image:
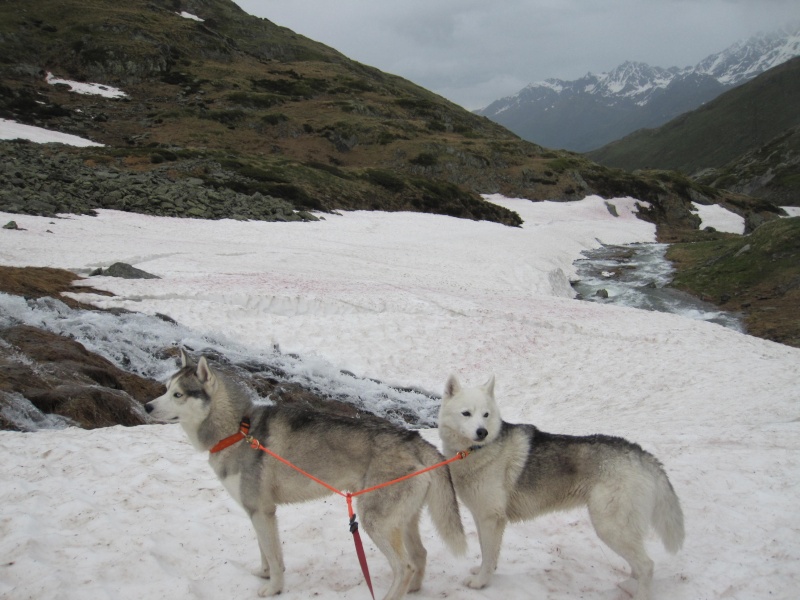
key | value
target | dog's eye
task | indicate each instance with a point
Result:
(485, 415)
(178, 395)
(466, 413)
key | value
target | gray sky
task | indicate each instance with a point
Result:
(476, 51)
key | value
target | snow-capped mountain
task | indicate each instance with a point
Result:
(744, 60)
(594, 110)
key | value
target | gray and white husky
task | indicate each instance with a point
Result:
(517, 472)
(347, 453)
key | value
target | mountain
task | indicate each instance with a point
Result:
(746, 140)
(222, 114)
(587, 113)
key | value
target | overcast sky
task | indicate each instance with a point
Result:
(476, 51)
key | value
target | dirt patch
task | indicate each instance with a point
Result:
(38, 282)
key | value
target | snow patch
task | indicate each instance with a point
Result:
(719, 218)
(92, 89)
(11, 130)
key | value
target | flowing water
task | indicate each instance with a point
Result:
(638, 276)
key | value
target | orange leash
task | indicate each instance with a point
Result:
(243, 434)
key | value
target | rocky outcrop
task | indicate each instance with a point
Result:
(53, 180)
(60, 376)
(124, 271)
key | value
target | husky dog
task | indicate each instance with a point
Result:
(517, 472)
(348, 454)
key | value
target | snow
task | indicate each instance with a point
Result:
(187, 15)
(792, 211)
(91, 89)
(408, 299)
(721, 219)
(11, 130)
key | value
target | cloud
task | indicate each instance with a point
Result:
(474, 51)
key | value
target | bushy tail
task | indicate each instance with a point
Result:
(667, 513)
(443, 508)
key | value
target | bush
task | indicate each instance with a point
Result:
(254, 100)
(386, 180)
(424, 159)
(274, 119)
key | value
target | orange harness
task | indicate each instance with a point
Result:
(244, 434)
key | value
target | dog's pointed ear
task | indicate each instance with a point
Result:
(204, 372)
(186, 360)
(489, 386)
(451, 388)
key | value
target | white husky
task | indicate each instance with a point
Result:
(347, 453)
(517, 472)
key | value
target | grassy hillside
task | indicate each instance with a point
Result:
(246, 107)
(771, 171)
(757, 275)
(733, 124)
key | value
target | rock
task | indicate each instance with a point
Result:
(11, 225)
(60, 376)
(126, 271)
(601, 293)
(46, 181)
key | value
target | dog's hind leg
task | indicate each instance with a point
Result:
(392, 545)
(417, 553)
(622, 526)
(490, 535)
(266, 525)
(385, 522)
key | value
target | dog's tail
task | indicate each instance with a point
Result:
(667, 513)
(443, 506)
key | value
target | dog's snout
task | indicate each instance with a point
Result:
(148, 408)
(481, 433)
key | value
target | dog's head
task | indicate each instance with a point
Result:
(469, 417)
(188, 395)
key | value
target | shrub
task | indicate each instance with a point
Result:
(424, 159)
(255, 100)
(274, 118)
(386, 180)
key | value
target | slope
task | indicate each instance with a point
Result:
(770, 172)
(738, 121)
(229, 115)
(758, 275)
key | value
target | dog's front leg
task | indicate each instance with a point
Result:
(266, 525)
(490, 535)
(263, 571)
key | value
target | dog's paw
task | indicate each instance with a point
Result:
(476, 582)
(629, 586)
(261, 572)
(634, 589)
(273, 588)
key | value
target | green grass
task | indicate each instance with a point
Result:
(726, 268)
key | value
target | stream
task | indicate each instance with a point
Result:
(638, 276)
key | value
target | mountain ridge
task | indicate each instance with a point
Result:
(589, 112)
